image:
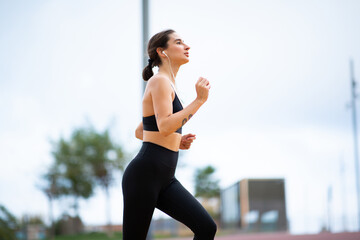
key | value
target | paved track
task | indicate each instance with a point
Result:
(285, 236)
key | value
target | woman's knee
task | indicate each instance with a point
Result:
(207, 231)
(212, 228)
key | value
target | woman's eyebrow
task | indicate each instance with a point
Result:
(178, 40)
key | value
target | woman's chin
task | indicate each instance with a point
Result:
(183, 61)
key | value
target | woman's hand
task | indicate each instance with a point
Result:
(186, 141)
(202, 87)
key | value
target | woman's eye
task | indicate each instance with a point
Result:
(178, 42)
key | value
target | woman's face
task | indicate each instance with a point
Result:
(177, 50)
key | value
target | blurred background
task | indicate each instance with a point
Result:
(280, 108)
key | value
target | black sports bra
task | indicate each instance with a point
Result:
(149, 122)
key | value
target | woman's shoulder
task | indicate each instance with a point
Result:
(159, 81)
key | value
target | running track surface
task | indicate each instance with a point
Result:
(285, 236)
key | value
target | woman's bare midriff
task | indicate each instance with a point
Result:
(171, 141)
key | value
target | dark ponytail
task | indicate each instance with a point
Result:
(158, 40)
(147, 72)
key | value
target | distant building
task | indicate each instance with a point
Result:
(169, 227)
(32, 232)
(69, 225)
(254, 205)
(212, 206)
(103, 228)
(36, 232)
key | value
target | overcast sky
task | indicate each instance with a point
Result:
(278, 105)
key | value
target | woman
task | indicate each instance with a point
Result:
(149, 180)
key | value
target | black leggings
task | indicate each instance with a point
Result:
(149, 182)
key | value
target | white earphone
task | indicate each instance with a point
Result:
(172, 75)
(170, 65)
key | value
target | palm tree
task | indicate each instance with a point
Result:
(105, 158)
(52, 191)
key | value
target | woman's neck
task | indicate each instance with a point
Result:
(164, 68)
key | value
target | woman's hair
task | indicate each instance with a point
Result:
(158, 40)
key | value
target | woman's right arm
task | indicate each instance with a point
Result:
(167, 121)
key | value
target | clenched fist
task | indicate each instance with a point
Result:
(202, 87)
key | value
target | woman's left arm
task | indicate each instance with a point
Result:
(139, 131)
(186, 141)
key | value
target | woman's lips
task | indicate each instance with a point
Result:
(187, 54)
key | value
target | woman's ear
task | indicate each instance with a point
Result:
(160, 52)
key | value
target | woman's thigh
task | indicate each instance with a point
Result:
(178, 203)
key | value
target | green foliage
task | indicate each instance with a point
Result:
(90, 236)
(8, 224)
(205, 185)
(74, 174)
(51, 183)
(88, 159)
(35, 219)
(102, 155)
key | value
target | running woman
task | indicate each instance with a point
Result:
(149, 180)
